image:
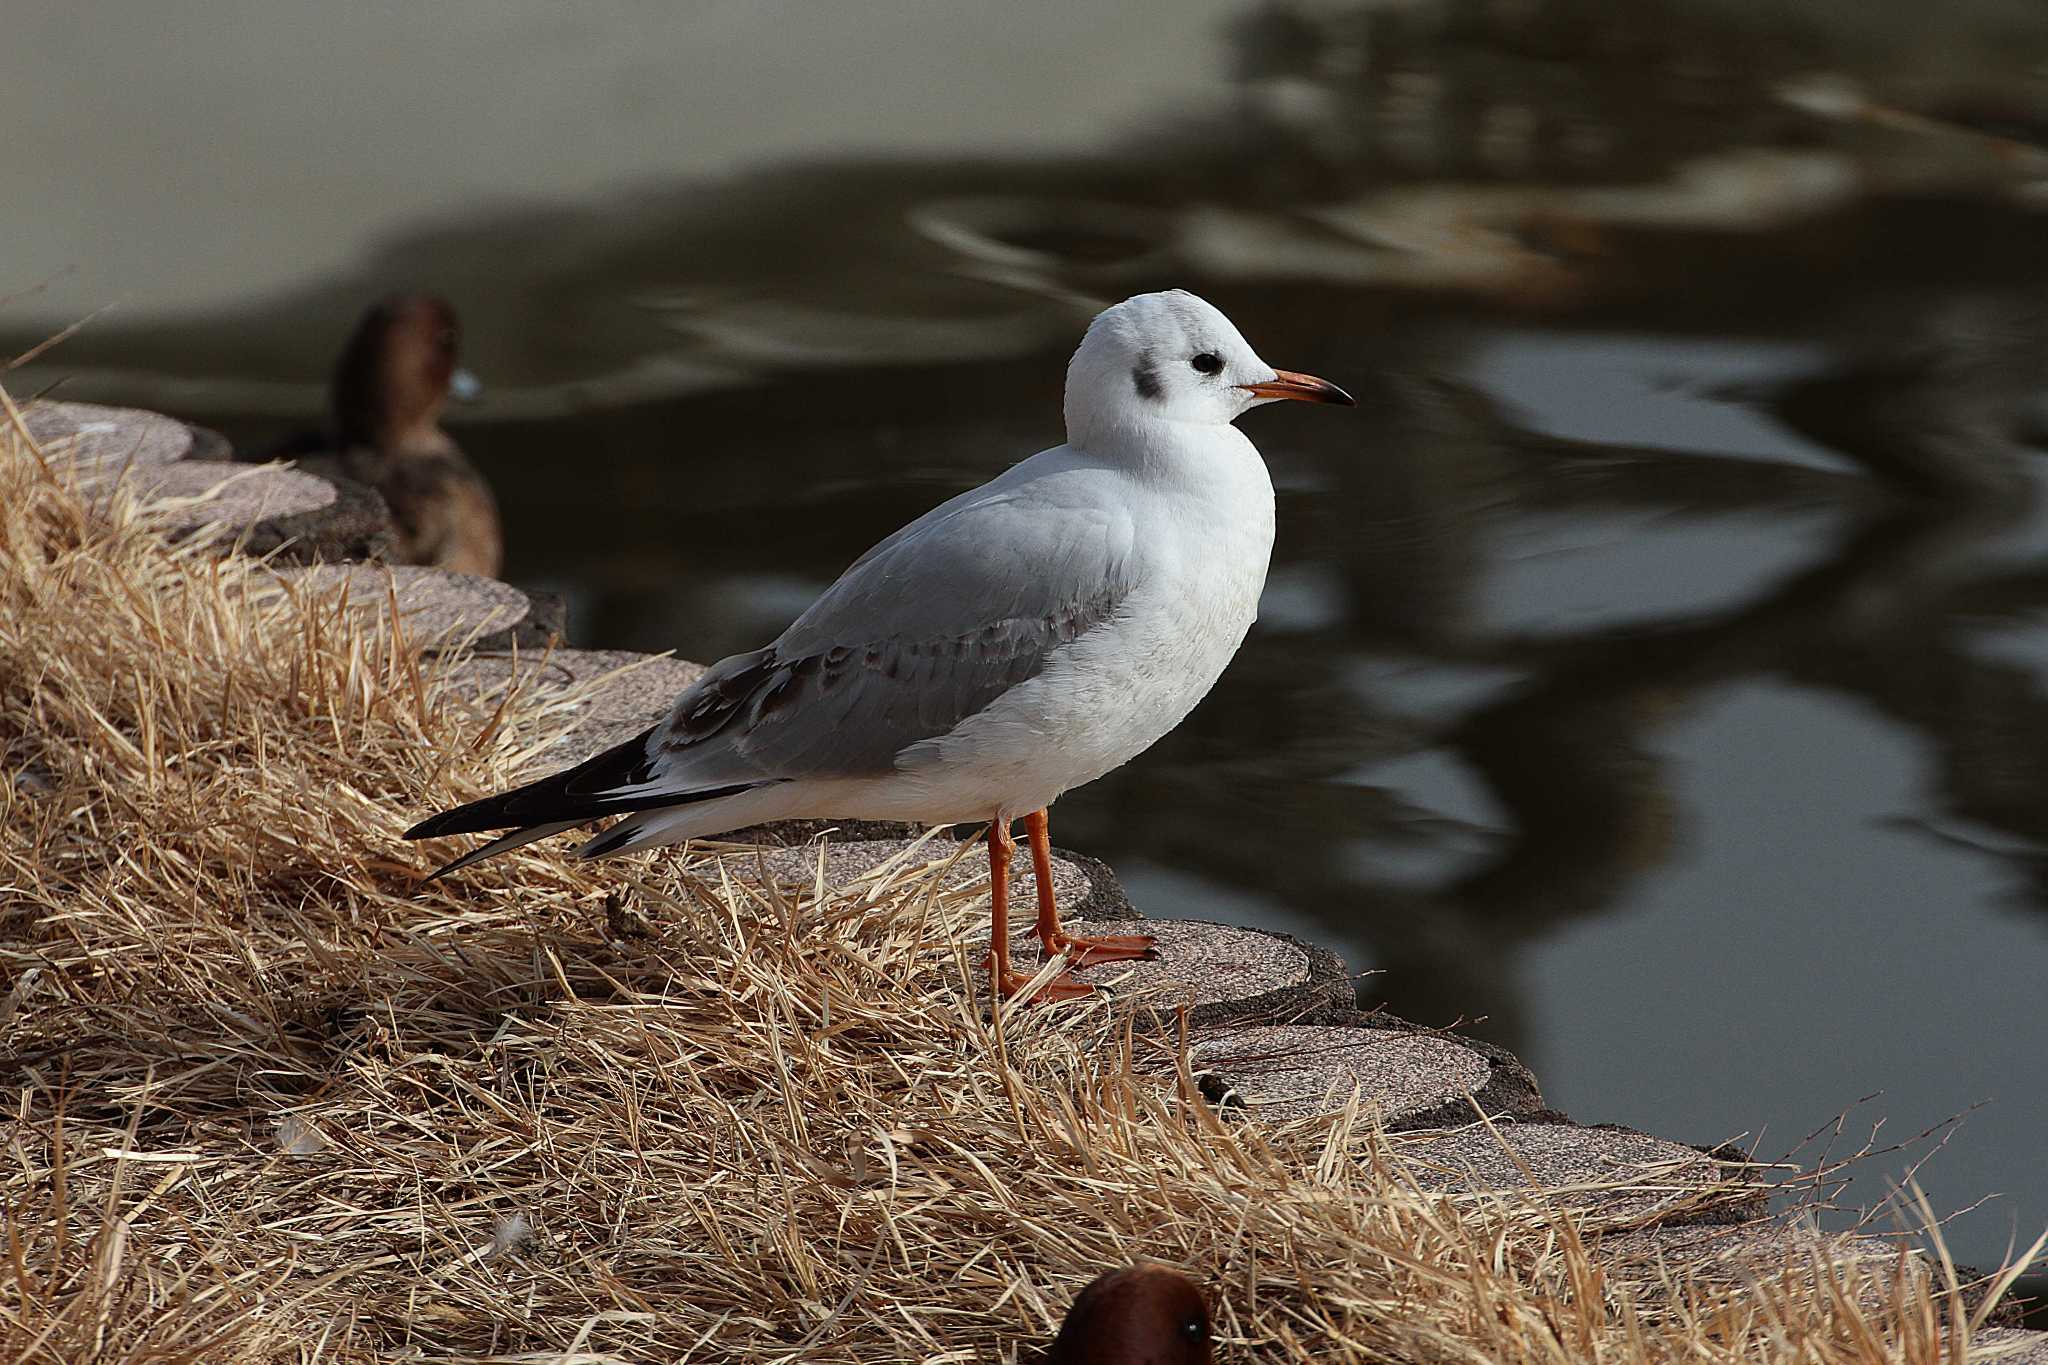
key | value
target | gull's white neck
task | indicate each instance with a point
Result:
(1168, 453)
(1212, 497)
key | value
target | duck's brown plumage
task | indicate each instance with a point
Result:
(390, 385)
(1144, 1315)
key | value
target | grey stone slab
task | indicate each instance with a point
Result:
(1225, 974)
(623, 705)
(1510, 1090)
(101, 441)
(793, 833)
(1201, 963)
(265, 510)
(1735, 1253)
(1664, 1179)
(438, 609)
(1737, 1256)
(1291, 1071)
(1219, 973)
(233, 498)
(355, 526)
(848, 863)
(2009, 1346)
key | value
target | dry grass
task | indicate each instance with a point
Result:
(269, 1101)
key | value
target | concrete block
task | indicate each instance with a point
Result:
(624, 705)
(101, 441)
(1666, 1178)
(438, 609)
(1290, 1071)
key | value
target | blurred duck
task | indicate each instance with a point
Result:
(1145, 1315)
(392, 381)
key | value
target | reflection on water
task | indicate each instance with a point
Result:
(1651, 674)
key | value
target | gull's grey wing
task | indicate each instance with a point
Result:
(924, 630)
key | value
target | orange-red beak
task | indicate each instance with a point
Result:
(1304, 387)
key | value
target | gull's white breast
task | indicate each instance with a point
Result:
(1205, 538)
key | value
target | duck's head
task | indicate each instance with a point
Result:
(1173, 357)
(1145, 1315)
(397, 372)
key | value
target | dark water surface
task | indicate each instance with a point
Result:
(1654, 670)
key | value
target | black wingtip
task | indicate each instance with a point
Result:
(550, 798)
(434, 826)
(474, 818)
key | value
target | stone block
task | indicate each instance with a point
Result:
(792, 833)
(1663, 1179)
(1222, 973)
(235, 499)
(1735, 1253)
(622, 706)
(356, 525)
(438, 609)
(1291, 1071)
(101, 441)
(846, 864)
(2009, 1346)
(1510, 1089)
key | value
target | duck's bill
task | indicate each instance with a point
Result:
(1305, 388)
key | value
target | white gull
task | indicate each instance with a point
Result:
(1011, 644)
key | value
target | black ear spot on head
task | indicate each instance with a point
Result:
(1145, 379)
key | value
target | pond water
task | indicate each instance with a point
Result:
(1654, 670)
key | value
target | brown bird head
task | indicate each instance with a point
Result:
(1146, 1315)
(396, 372)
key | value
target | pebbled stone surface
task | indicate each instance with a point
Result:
(791, 833)
(622, 706)
(1734, 1257)
(845, 863)
(1510, 1091)
(265, 510)
(1735, 1253)
(1563, 1158)
(355, 526)
(1292, 1071)
(235, 498)
(1199, 964)
(2009, 1346)
(438, 609)
(101, 441)
(1223, 974)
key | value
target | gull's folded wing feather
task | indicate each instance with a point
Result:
(924, 630)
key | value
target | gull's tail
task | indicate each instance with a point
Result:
(619, 781)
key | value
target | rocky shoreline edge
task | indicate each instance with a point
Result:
(1273, 1027)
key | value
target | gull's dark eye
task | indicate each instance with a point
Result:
(1194, 1329)
(1208, 362)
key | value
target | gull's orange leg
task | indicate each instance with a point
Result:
(1080, 951)
(1006, 982)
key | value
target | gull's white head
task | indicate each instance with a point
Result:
(1172, 357)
